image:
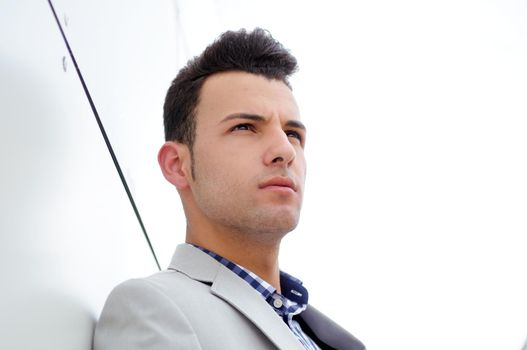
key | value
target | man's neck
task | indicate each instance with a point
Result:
(260, 258)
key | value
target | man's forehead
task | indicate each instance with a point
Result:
(234, 92)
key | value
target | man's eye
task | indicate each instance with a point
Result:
(242, 127)
(294, 134)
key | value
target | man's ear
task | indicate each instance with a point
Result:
(174, 161)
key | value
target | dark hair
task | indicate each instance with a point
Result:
(254, 52)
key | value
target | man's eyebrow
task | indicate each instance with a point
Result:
(247, 116)
(295, 124)
(256, 117)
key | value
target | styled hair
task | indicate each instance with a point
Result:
(255, 52)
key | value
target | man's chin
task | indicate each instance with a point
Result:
(279, 222)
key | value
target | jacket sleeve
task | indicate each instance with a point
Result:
(137, 315)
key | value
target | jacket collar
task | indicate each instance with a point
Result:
(228, 286)
(194, 263)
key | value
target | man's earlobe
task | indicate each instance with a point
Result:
(173, 159)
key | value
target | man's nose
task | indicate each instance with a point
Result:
(280, 151)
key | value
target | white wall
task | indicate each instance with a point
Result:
(414, 226)
(67, 230)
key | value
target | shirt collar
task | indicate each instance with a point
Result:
(291, 287)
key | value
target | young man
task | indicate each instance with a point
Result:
(235, 152)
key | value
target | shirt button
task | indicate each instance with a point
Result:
(277, 303)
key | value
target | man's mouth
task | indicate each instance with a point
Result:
(279, 182)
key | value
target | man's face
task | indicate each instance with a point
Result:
(248, 155)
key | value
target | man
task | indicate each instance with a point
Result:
(235, 152)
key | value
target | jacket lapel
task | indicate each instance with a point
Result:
(235, 291)
(245, 299)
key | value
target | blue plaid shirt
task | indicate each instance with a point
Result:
(291, 303)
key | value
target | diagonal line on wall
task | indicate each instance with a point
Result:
(105, 136)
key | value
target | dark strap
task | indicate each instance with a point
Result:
(307, 330)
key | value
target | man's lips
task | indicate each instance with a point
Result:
(279, 181)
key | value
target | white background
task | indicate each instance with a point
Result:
(414, 221)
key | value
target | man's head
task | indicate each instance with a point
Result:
(235, 143)
(255, 52)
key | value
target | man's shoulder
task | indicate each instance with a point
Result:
(145, 307)
(168, 283)
(176, 311)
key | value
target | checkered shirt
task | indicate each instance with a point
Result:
(292, 303)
